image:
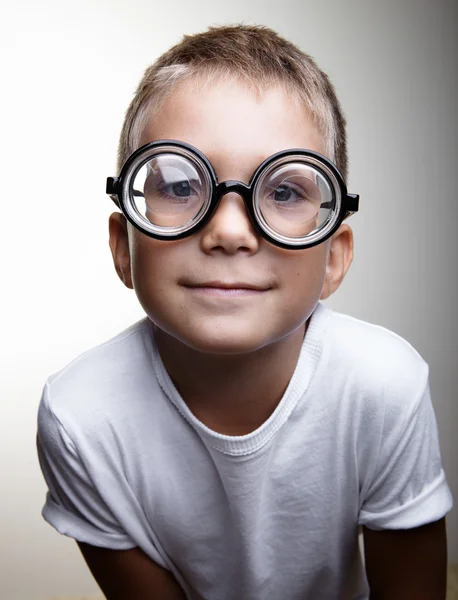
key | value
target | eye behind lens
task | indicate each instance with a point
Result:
(168, 191)
(293, 199)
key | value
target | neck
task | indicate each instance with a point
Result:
(231, 394)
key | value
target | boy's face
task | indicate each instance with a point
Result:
(225, 289)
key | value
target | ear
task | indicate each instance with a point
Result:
(340, 256)
(119, 246)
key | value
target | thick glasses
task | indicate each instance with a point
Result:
(169, 190)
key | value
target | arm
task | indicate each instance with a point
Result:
(407, 564)
(74, 505)
(130, 575)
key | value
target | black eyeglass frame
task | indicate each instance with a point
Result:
(118, 188)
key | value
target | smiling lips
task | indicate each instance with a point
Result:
(227, 289)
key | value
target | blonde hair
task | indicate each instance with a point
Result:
(255, 55)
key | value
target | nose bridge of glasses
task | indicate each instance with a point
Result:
(230, 186)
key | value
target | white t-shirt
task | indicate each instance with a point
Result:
(265, 516)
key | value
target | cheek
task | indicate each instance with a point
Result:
(303, 278)
(304, 269)
(152, 267)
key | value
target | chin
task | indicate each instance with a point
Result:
(233, 339)
(227, 336)
(223, 344)
(220, 338)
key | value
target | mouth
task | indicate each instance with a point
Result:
(227, 288)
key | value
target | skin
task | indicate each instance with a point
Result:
(232, 357)
(215, 343)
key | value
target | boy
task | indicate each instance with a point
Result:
(229, 445)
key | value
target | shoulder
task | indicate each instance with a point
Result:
(370, 374)
(96, 382)
(374, 355)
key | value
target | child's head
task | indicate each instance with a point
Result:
(238, 95)
(255, 56)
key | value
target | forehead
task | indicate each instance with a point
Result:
(234, 125)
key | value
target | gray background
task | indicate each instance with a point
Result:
(68, 73)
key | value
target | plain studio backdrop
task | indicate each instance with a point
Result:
(69, 71)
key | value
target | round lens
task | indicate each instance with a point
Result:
(294, 199)
(170, 191)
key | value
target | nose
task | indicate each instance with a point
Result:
(230, 229)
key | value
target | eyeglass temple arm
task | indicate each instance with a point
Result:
(112, 190)
(351, 204)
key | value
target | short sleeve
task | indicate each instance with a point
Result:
(408, 486)
(73, 505)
